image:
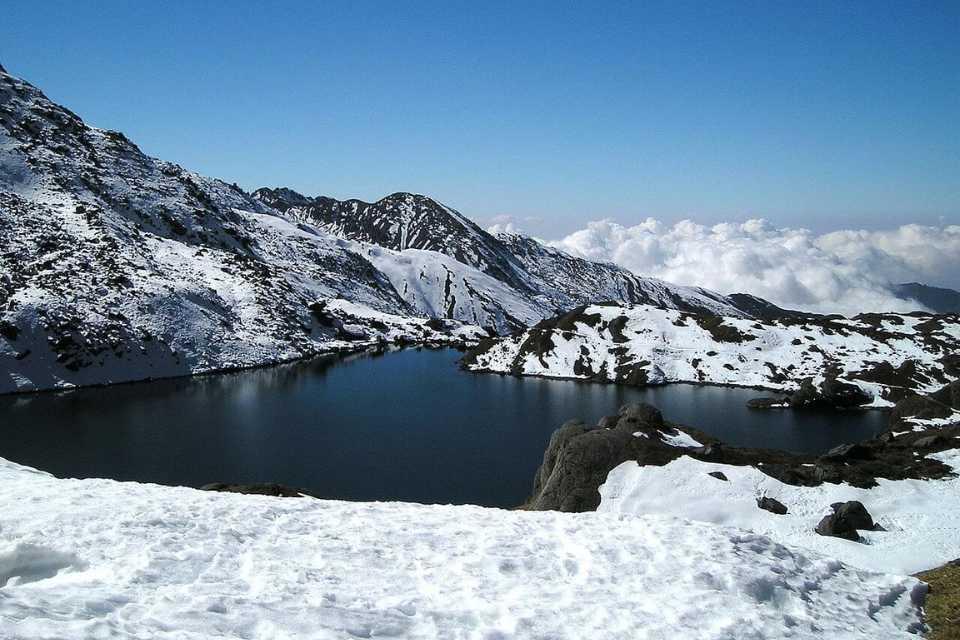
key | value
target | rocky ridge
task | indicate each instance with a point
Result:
(869, 360)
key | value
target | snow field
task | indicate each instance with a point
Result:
(98, 558)
(921, 517)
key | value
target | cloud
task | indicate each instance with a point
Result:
(847, 271)
(506, 223)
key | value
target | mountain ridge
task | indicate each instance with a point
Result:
(117, 266)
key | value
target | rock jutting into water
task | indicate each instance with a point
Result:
(579, 457)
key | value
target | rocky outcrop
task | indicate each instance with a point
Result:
(939, 405)
(846, 521)
(261, 489)
(815, 362)
(579, 457)
(830, 393)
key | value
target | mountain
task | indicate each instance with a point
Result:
(403, 221)
(550, 280)
(565, 281)
(118, 266)
(937, 299)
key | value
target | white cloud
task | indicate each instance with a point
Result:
(840, 272)
(505, 223)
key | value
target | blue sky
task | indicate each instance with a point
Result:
(825, 115)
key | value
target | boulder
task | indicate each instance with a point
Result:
(831, 393)
(719, 475)
(558, 440)
(845, 521)
(608, 422)
(772, 505)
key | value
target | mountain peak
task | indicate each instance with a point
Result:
(281, 198)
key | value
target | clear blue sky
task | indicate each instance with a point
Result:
(816, 114)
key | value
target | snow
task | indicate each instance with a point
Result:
(679, 439)
(773, 354)
(99, 558)
(921, 517)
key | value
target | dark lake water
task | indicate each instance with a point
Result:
(405, 425)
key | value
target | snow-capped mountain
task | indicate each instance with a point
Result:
(403, 221)
(118, 266)
(565, 281)
(872, 359)
(550, 280)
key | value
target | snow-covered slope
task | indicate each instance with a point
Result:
(116, 266)
(128, 560)
(920, 518)
(436, 285)
(883, 354)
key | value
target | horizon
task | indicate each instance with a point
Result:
(831, 117)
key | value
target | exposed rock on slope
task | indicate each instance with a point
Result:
(873, 359)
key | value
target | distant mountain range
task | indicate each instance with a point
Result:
(936, 299)
(117, 266)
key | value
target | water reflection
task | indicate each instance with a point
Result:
(396, 426)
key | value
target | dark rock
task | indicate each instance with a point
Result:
(772, 505)
(576, 463)
(712, 451)
(920, 407)
(719, 475)
(9, 330)
(848, 452)
(437, 324)
(558, 440)
(608, 422)
(263, 489)
(847, 518)
(928, 441)
(768, 403)
(949, 395)
(639, 414)
(831, 393)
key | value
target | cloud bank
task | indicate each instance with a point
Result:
(847, 271)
